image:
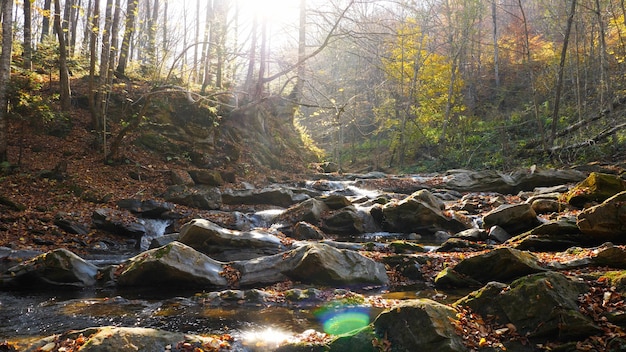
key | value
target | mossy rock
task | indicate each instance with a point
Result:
(540, 306)
(597, 188)
(406, 247)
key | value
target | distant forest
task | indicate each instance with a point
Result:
(408, 85)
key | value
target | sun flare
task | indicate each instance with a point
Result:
(281, 11)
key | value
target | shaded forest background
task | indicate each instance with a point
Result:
(405, 86)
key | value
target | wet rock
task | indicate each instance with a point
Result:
(70, 226)
(406, 247)
(420, 212)
(521, 180)
(498, 234)
(117, 222)
(200, 197)
(57, 268)
(124, 339)
(514, 219)
(273, 196)
(502, 264)
(228, 245)
(305, 231)
(336, 201)
(324, 265)
(345, 221)
(310, 211)
(149, 208)
(460, 245)
(161, 241)
(552, 236)
(543, 305)
(420, 325)
(547, 206)
(609, 255)
(206, 177)
(174, 265)
(606, 221)
(312, 264)
(596, 188)
(472, 235)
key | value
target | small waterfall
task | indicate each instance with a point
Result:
(154, 229)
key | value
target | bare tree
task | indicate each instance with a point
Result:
(64, 76)
(5, 73)
(559, 84)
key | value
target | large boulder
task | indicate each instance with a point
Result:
(206, 177)
(281, 197)
(595, 189)
(228, 245)
(173, 265)
(309, 211)
(118, 222)
(543, 305)
(514, 219)
(123, 339)
(200, 197)
(503, 264)
(345, 221)
(420, 325)
(606, 221)
(555, 235)
(149, 208)
(315, 263)
(421, 212)
(57, 268)
(508, 183)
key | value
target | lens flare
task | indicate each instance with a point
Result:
(344, 320)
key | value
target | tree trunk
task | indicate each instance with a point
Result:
(64, 76)
(28, 45)
(129, 30)
(206, 48)
(94, 20)
(297, 91)
(45, 24)
(5, 74)
(75, 14)
(559, 83)
(87, 30)
(115, 28)
(252, 55)
(260, 84)
(496, 54)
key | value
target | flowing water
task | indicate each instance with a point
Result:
(31, 314)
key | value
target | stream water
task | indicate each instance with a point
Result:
(26, 315)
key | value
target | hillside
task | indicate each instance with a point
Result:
(57, 169)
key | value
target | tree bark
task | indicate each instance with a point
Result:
(96, 123)
(5, 74)
(297, 91)
(129, 30)
(559, 83)
(45, 24)
(64, 76)
(28, 45)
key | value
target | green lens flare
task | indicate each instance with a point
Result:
(344, 322)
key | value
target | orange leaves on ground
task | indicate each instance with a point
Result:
(231, 275)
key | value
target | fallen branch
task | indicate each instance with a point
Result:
(589, 142)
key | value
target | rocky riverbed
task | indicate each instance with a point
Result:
(523, 261)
